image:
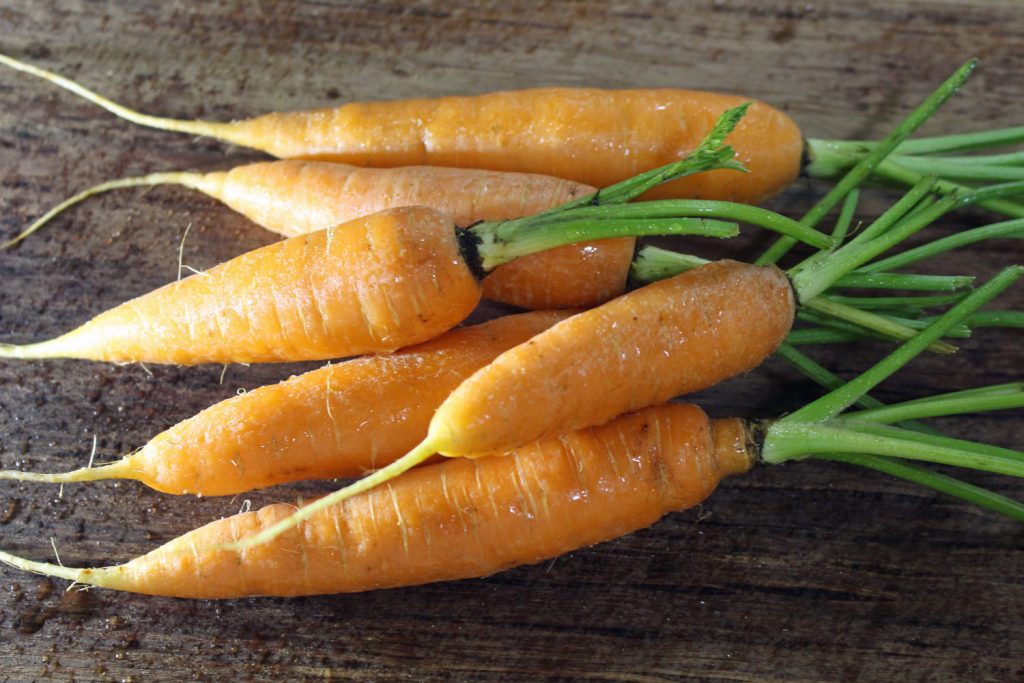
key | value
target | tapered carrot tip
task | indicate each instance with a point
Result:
(115, 470)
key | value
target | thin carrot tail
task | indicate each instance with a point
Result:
(214, 129)
(195, 181)
(92, 577)
(417, 455)
(114, 470)
(50, 348)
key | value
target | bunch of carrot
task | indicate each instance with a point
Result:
(562, 415)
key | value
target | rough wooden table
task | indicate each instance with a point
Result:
(808, 572)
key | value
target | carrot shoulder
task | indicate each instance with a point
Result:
(456, 519)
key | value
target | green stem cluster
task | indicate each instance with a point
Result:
(867, 439)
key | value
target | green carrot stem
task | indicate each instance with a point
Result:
(886, 302)
(956, 171)
(1008, 159)
(811, 282)
(940, 144)
(1013, 228)
(958, 331)
(939, 482)
(788, 440)
(840, 230)
(871, 321)
(499, 246)
(866, 165)
(893, 172)
(1001, 397)
(908, 281)
(840, 399)
(831, 381)
(811, 336)
(692, 208)
(653, 263)
(845, 220)
(997, 319)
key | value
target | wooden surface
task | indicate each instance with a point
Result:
(808, 572)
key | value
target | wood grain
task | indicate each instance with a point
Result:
(807, 572)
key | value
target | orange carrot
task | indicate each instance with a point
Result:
(297, 197)
(452, 520)
(339, 421)
(679, 335)
(465, 518)
(379, 283)
(590, 135)
(593, 136)
(375, 284)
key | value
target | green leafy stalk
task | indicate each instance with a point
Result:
(939, 482)
(798, 440)
(867, 163)
(1013, 228)
(941, 144)
(871, 321)
(998, 397)
(829, 380)
(952, 170)
(893, 172)
(515, 242)
(840, 399)
(997, 319)
(908, 281)
(887, 302)
(809, 282)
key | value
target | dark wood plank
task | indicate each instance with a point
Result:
(808, 572)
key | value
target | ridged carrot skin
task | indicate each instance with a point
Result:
(458, 519)
(375, 284)
(598, 137)
(296, 197)
(339, 421)
(675, 336)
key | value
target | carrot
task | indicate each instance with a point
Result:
(296, 197)
(467, 518)
(454, 519)
(672, 337)
(378, 283)
(593, 136)
(339, 421)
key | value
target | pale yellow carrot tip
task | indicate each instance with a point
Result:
(178, 178)
(114, 470)
(209, 128)
(47, 568)
(417, 455)
(43, 349)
